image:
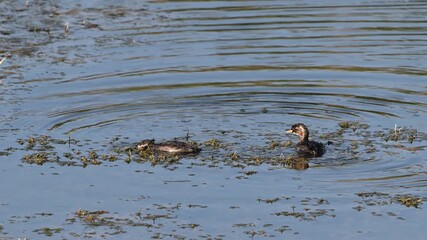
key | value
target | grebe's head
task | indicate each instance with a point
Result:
(299, 129)
(147, 143)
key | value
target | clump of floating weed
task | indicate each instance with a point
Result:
(256, 160)
(163, 159)
(101, 218)
(398, 134)
(109, 157)
(409, 200)
(93, 154)
(337, 134)
(249, 173)
(234, 156)
(84, 161)
(213, 143)
(92, 218)
(4, 153)
(269, 201)
(353, 125)
(68, 155)
(286, 160)
(43, 142)
(48, 231)
(277, 144)
(91, 158)
(39, 158)
(372, 194)
(43, 150)
(145, 154)
(274, 144)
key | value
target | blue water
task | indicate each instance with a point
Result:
(238, 71)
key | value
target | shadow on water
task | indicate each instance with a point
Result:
(81, 82)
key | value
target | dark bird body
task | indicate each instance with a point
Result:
(175, 147)
(306, 147)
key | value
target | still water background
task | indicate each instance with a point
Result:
(238, 71)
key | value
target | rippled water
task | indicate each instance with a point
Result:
(237, 71)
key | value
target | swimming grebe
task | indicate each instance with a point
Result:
(175, 147)
(306, 147)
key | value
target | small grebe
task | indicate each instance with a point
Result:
(306, 147)
(175, 147)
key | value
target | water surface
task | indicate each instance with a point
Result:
(108, 75)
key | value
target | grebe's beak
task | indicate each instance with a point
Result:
(289, 131)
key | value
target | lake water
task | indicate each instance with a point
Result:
(96, 76)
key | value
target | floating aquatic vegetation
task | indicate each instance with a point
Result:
(234, 156)
(91, 217)
(270, 201)
(400, 134)
(307, 215)
(4, 153)
(249, 173)
(213, 143)
(279, 144)
(409, 200)
(68, 152)
(48, 232)
(381, 199)
(353, 125)
(40, 158)
(42, 142)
